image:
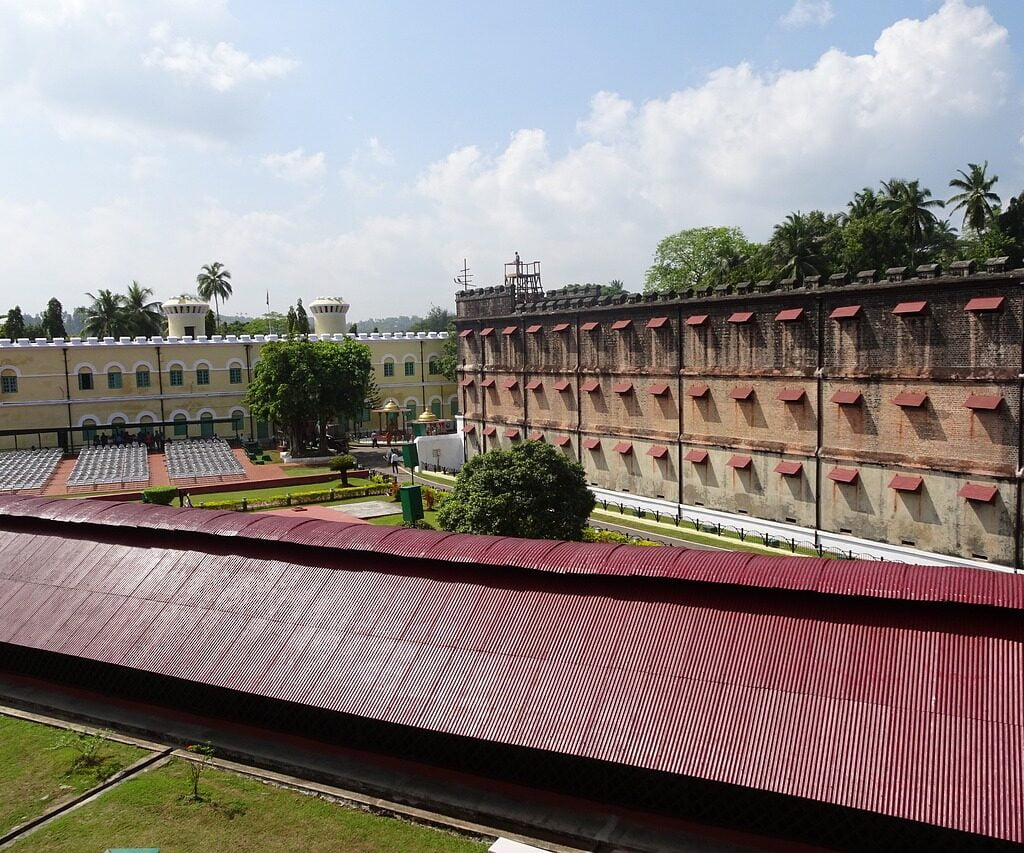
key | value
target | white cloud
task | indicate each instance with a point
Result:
(221, 67)
(806, 12)
(296, 166)
(144, 166)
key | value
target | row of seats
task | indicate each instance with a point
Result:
(111, 464)
(28, 469)
(207, 457)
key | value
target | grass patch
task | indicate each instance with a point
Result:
(277, 491)
(429, 516)
(37, 775)
(236, 813)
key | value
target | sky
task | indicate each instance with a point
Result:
(363, 150)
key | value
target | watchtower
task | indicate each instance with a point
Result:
(523, 278)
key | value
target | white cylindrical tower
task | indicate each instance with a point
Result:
(186, 316)
(329, 315)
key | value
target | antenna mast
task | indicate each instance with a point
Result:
(465, 278)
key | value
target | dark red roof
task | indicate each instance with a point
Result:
(843, 475)
(787, 315)
(698, 389)
(560, 327)
(658, 451)
(532, 330)
(656, 389)
(509, 384)
(656, 322)
(465, 333)
(832, 681)
(533, 384)
(563, 440)
(791, 395)
(696, 456)
(623, 388)
(562, 385)
(906, 482)
(845, 312)
(591, 443)
(985, 493)
(466, 382)
(623, 447)
(490, 430)
(739, 460)
(469, 429)
(985, 303)
(696, 319)
(487, 383)
(536, 435)
(984, 402)
(846, 398)
(509, 330)
(590, 326)
(789, 469)
(910, 399)
(619, 325)
(589, 385)
(512, 433)
(910, 307)
(489, 330)
(741, 316)
(741, 392)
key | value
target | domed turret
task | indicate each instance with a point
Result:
(186, 316)
(329, 315)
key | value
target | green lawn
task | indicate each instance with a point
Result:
(277, 491)
(36, 775)
(394, 520)
(237, 813)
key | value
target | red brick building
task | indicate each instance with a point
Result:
(887, 410)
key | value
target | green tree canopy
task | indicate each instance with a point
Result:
(299, 384)
(910, 206)
(695, 256)
(106, 316)
(214, 282)
(437, 320)
(448, 362)
(142, 314)
(301, 319)
(531, 490)
(53, 320)
(14, 328)
(975, 196)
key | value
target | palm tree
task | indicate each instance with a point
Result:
(908, 205)
(106, 316)
(977, 198)
(863, 204)
(141, 313)
(214, 282)
(796, 247)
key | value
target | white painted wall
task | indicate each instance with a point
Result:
(451, 454)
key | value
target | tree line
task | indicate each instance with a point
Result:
(894, 224)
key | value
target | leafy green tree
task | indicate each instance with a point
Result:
(613, 288)
(975, 196)
(291, 323)
(106, 316)
(797, 245)
(53, 320)
(532, 491)
(14, 328)
(142, 314)
(694, 256)
(214, 282)
(437, 320)
(910, 207)
(343, 464)
(209, 324)
(345, 382)
(448, 361)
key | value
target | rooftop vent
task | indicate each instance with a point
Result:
(813, 282)
(743, 286)
(867, 276)
(929, 271)
(839, 279)
(896, 273)
(997, 264)
(787, 284)
(764, 286)
(961, 269)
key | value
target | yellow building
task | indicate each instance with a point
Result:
(63, 392)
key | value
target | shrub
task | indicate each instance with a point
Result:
(343, 464)
(592, 534)
(162, 495)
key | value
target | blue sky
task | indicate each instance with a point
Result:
(364, 150)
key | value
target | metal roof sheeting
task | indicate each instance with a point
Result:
(839, 686)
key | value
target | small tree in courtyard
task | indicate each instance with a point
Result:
(532, 491)
(343, 464)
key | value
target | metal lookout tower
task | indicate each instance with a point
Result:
(524, 279)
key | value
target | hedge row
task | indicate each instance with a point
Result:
(298, 498)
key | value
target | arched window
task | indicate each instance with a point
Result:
(202, 374)
(434, 366)
(435, 407)
(238, 420)
(146, 425)
(177, 374)
(141, 377)
(389, 367)
(410, 367)
(117, 425)
(88, 429)
(180, 426)
(114, 378)
(8, 382)
(85, 379)
(206, 425)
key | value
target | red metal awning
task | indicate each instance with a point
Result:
(623, 388)
(741, 392)
(489, 330)
(656, 389)
(843, 475)
(789, 314)
(623, 447)
(741, 317)
(487, 383)
(591, 443)
(536, 435)
(512, 433)
(465, 383)
(910, 399)
(910, 308)
(698, 390)
(791, 395)
(560, 327)
(532, 330)
(696, 319)
(978, 492)
(490, 430)
(845, 312)
(509, 330)
(696, 456)
(509, 384)
(739, 460)
(789, 469)
(906, 482)
(562, 385)
(590, 385)
(533, 384)
(590, 326)
(469, 429)
(984, 402)
(985, 303)
(657, 451)
(563, 440)
(656, 322)
(619, 325)
(465, 333)
(846, 398)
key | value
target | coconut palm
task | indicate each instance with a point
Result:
(863, 204)
(106, 316)
(976, 198)
(910, 208)
(141, 313)
(214, 282)
(796, 247)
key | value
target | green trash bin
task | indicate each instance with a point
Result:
(412, 503)
(410, 459)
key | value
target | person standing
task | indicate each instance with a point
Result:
(395, 458)
(373, 439)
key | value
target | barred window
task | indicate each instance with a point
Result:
(85, 381)
(202, 376)
(114, 379)
(141, 378)
(389, 368)
(410, 368)
(177, 376)
(9, 383)
(235, 375)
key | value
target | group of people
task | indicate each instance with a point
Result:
(152, 440)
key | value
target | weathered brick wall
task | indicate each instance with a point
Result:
(623, 403)
(547, 406)
(503, 398)
(550, 350)
(484, 302)
(628, 465)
